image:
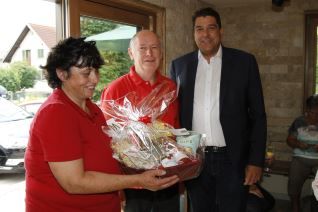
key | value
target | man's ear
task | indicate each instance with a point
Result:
(130, 53)
(61, 74)
(221, 32)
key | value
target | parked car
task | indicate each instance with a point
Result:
(14, 134)
(3, 91)
(31, 106)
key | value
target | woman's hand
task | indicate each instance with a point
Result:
(75, 180)
(293, 142)
(302, 145)
(154, 180)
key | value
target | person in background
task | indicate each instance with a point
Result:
(220, 94)
(303, 138)
(144, 76)
(68, 161)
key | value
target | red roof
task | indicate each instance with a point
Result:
(46, 33)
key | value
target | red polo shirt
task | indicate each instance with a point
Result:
(133, 82)
(61, 131)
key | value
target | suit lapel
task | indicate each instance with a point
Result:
(225, 74)
(188, 95)
(191, 74)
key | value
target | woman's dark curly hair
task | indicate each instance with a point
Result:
(71, 52)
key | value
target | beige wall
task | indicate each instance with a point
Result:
(276, 38)
(179, 36)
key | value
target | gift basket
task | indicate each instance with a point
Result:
(140, 141)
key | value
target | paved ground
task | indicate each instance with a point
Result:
(12, 188)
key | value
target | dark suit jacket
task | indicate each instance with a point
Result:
(242, 111)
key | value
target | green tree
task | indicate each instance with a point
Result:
(27, 74)
(17, 76)
(9, 80)
(92, 26)
(116, 64)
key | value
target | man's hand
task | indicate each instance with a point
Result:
(252, 174)
(253, 189)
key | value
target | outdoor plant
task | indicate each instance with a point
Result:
(17, 76)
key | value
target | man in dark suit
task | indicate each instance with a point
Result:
(220, 94)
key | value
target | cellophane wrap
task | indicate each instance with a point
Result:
(140, 141)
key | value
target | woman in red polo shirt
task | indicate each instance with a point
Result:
(69, 164)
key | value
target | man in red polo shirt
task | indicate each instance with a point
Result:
(144, 76)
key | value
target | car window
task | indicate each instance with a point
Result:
(31, 107)
(11, 112)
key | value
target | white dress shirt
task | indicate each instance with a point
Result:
(206, 102)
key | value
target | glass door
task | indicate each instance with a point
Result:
(112, 24)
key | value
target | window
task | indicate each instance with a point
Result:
(111, 24)
(26, 56)
(136, 13)
(40, 53)
(311, 63)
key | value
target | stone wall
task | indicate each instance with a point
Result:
(179, 34)
(275, 37)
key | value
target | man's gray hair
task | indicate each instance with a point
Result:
(133, 38)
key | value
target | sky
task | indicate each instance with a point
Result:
(15, 14)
